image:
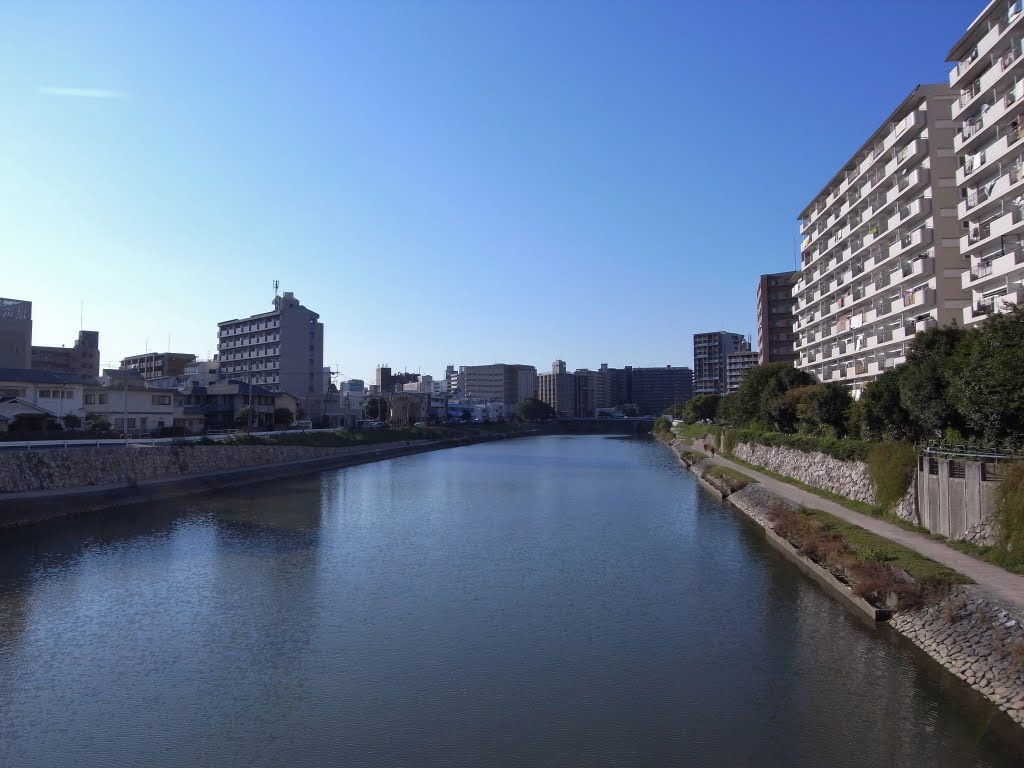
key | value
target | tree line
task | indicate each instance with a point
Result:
(959, 386)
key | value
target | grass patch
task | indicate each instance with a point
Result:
(882, 572)
(868, 546)
(718, 470)
(993, 555)
(694, 431)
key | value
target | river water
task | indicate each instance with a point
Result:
(554, 601)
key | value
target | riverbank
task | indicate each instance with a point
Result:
(44, 485)
(966, 629)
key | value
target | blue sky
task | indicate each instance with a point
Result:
(444, 182)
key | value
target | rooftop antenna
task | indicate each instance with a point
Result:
(81, 315)
(276, 284)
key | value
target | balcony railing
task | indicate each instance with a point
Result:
(979, 196)
(1009, 57)
(979, 232)
(963, 64)
(969, 93)
(972, 126)
(984, 306)
(973, 162)
(981, 269)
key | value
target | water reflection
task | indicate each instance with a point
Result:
(552, 601)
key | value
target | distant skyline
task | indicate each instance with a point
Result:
(445, 183)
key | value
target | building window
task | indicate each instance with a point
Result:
(49, 394)
(89, 400)
(933, 466)
(161, 399)
(990, 472)
(103, 399)
(957, 469)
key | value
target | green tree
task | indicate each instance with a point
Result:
(883, 416)
(96, 422)
(283, 416)
(925, 378)
(701, 407)
(71, 421)
(532, 409)
(987, 387)
(627, 409)
(466, 414)
(376, 408)
(242, 417)
(760, 386)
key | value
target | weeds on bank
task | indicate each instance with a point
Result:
(732, 478)
(883, 573)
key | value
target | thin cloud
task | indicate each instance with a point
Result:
(84, 93)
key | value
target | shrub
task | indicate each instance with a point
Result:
(891, 466)
(844, 450)
(1009, 511)
(728, 441)
(663, 425)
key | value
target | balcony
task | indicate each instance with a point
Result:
(920, 266)
(920, 236)
(907, 183)
(922, 297)
(978, 58)
(980, 270)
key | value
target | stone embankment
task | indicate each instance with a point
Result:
(845, 478)
(51, 483)
(965, 630)
(58, 469)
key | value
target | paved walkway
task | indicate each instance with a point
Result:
(1006, 586)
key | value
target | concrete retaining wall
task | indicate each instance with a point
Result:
(58, 469)
(845, 478)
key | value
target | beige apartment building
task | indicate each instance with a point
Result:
(988, 78)
(880, 256)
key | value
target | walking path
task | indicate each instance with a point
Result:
(1004, 585)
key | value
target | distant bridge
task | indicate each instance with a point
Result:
(621, 426)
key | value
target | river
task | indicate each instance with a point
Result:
(550, 601)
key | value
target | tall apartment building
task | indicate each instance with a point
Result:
(988, 78)
(736, 365)
(880, 257)
(775, 303)
(497, 383)
(154, 365)
(710, 369)
(282, 350)
(81, 359)
(655, 390)
(558, 389)
(15, 334)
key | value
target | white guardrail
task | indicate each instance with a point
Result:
(43, 445)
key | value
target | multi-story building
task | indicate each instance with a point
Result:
(775, 304)
(282, 350)
(126, 402)
(558, 389)
(654, 390)
(880, 257)
(988, 82)
(155, 365)
(499, 383)
(737, 364)
(82, 359)
(710, 369)
(15, 334)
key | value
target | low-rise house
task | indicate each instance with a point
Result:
(32, 398)
(131, 407)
